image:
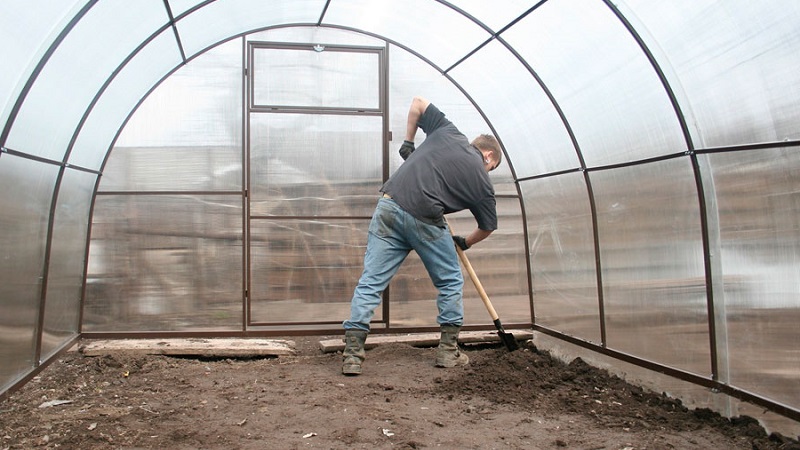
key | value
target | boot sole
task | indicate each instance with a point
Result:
(456, 363)
(351, 371)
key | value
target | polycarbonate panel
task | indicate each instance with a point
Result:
(165, 263)
(200, 104)
(499, 262)
(412, 297)
(219, 20)
(490, 14)
(314, 165)
(562, 255)
(651, 253)
(309, 77)
(609, 92)
(87, 57)
(121, 97)
(305, 270)
(27, 32)
(179, 7)
(760, 238)
(173, 169)
(67, 260)
(533, 134)
(26, 189)
(412, 23)
(187, 135)
(737, 64)
(411, 76)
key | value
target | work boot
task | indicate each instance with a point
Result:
(354, 353)
(448, 353)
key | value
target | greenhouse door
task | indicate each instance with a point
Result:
(317, 156)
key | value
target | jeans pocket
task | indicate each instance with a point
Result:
(427, 232)
(382, 223)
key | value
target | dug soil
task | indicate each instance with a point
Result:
(501, 400)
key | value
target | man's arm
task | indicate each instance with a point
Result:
(477, 236)
(473, 238)
(417, 109)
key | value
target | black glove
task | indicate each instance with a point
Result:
(461, 242)
(406, 149)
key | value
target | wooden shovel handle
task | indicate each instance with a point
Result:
(474, 277)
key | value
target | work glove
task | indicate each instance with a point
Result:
(461, 242)
(406, 149)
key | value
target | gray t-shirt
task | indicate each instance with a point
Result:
(445, 174)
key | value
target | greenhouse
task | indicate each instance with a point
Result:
(187, 168)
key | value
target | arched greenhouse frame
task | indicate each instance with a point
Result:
(209, 168)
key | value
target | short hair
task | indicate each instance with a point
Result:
(489, 142)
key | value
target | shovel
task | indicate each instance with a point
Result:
(508, 339)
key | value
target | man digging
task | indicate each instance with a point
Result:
(446, 174)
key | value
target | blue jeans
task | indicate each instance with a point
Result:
(393, 233)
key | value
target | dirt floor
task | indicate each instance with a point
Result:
(502, 400)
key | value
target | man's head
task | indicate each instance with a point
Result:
(490, 148)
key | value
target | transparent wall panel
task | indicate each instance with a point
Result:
(499, 262)
(315, 165)
(173, 168)
(219, 20)
(500, 265)
(757, 195)
(31, 32)
(187, 135)
(165, 263)
(305, 270)
(73, 75)
(122, 96)
(410, 76)
(602, 79)
(412, 297)
(651, 253)
(409, 23)
(179, 7)
(561, 250)
(533, 134)
(490, 14)
(303, 76)
(67, 253)
(26, 190)
(736, 62)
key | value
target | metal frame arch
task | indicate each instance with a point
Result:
(579, 153)
(703, 204)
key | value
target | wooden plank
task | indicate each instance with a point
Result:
(213, 347)
(425, 339)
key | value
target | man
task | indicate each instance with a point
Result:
(445, 174)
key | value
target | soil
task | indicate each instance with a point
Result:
(502, 400)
